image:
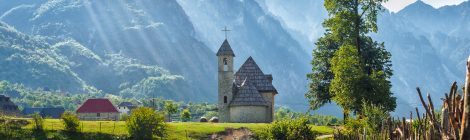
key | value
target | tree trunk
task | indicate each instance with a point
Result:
(464, 129)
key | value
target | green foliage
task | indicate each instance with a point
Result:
(186, 115)
(284, 113)
(370, 122)
(348, 66)
(346, 86)
(124, 117)
(38, 122)
(353, 126)
(27, 97)
(38, 129)
(69, 67)
(297, 129)
(374, 116)
(211, 114)
(71, 122)
(11, 129)
(145, 123)
(170, 108)
(203, 109)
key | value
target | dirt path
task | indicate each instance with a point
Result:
(324, 137)
(234, 134)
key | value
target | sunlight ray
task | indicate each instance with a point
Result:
(92, 14)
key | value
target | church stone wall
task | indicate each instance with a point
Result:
(269, 97)
(248, 114)
(225, 82)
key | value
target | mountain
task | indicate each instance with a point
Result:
(121, 43)
(68, 66)
(304, 25)
(140, 30)
(30, 61)
(429, 46)
(254, 32)
(141, 49)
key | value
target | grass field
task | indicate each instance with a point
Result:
(177, 130)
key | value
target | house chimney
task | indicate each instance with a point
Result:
(269, 77)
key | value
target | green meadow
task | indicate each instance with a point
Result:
(176, 130)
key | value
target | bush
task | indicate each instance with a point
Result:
(185, 115)
(370, 121)
(38, 122)
(210, 114)
(38, 130)
(374, 116)
(71, 122)
(297, 129)
(145, 123)
(124, 117)
(170, 108)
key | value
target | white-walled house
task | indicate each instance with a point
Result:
(125, 107)
(98, 109)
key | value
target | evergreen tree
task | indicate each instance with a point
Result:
(348, 66)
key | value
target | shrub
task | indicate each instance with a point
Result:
(38, 130)
(297, 129)
(145, 123)
(70, 121)
(369, 121)
(185, 115)
(210, 114)
(124, 117)
(38, 122)
(170, 108)
(374, 116)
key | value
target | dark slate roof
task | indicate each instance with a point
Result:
(225, 49)
(29, 111)
(126, 104)
(251, 71)
(248, 95)
(53, 112)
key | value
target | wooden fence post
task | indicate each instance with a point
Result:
(100, 127)
(464, 129)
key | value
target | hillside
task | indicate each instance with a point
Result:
(144, 37)
(183, 42)
(68, 66)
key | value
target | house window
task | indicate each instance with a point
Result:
(225, 99)
(98, 115)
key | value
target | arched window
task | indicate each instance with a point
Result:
(225, 99)
(225, 64)
(225, 61)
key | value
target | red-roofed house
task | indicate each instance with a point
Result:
(97, 109)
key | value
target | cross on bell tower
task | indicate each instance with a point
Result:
(226, 30)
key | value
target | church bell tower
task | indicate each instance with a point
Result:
(225, 57)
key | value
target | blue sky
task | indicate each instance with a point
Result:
(397, 5)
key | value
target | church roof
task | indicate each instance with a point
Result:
(251, 71)
(248, 95)
(225, 49)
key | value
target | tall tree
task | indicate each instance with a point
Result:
(361, 70)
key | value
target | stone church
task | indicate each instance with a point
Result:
(246, 96)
